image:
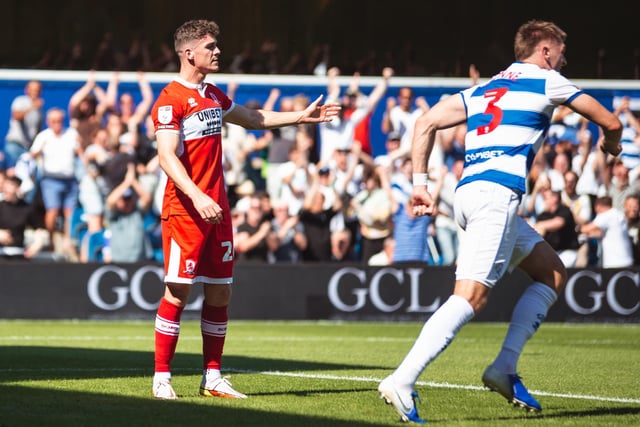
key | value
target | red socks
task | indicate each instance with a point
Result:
(213, 325)
(167, 332)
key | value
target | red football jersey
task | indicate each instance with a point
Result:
(195, 112)
(195, 251)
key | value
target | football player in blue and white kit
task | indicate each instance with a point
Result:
(507, 119)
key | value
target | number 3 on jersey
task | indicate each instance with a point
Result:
(494, 111)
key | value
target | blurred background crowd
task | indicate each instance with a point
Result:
(82, 183)
(419, 38)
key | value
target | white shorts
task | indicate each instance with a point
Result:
(495, 239)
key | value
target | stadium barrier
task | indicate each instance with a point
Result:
(300, 292)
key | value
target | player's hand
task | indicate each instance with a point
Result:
(316, 113)
(422, 201)
(612, 149)
(208, 209)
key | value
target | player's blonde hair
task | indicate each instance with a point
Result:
(194, 29)
(531, 33)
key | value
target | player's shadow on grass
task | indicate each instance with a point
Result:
(37, 363)
(520, 414)
(627, 410)
(22, 405)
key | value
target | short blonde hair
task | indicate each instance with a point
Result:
(533, 32)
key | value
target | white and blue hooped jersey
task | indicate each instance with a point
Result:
(507, 120)
(630, 154)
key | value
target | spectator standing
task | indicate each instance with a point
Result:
(393, 156)
(279, 147)
(632, 215)
(401, 115)
(87, 107)
(350, 101)
(373, 208)
(126, 207)
(410, 232)
(620, 185)
(251, 238)
(610, 227)
(447, 230)
(556, 224)
(316, 216)
(561, 164)
(236, 146)
(57, 147)
(340, 132)
(630, 134)
(296, 176)
(16, 216)
(133, 115)
(587, 163)
(133, 119)
(580, 207)
(566, 124)
(197, 229)
(385, 256)
(92, 188)
(27, 120)
(286, 240)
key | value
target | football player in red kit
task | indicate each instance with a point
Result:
(196, 218)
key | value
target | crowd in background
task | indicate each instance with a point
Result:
(84, 184)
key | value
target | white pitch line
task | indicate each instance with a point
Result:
(435, 385)
(337, 378)
(45, 338)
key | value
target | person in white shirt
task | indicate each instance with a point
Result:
(401, 115)
(610, 227)
(340, 131)
(57, 147)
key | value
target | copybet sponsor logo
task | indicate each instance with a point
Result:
(482, 155)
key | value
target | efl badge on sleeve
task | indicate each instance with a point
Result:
(165, 114)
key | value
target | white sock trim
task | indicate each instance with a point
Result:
(161, 376)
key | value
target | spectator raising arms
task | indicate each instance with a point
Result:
(27, 119)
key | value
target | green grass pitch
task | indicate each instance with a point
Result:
(99, 373)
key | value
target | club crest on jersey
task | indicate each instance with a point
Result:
(165, 114)
(190, 267)
(192, 102)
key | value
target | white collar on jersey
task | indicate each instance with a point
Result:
(183, 82)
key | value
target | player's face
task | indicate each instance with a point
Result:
(206, 53)
(556, 56)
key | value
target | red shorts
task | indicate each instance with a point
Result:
(197, 252)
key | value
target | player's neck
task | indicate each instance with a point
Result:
(192, 75)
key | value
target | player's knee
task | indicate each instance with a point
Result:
(560, 279)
